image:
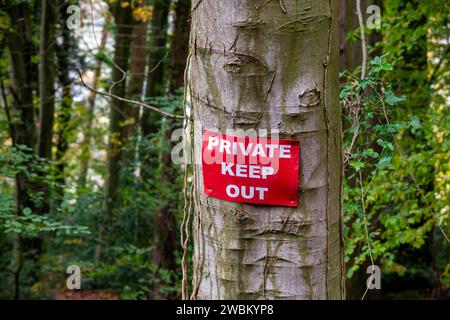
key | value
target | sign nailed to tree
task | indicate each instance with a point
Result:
(250, 169)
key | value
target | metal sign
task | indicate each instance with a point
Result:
(250, 169)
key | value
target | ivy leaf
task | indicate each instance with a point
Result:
(386, 66)
(391, 99)
(370, 153)
(385, 144)
(415, 123)
(357, 165)
(384, 163)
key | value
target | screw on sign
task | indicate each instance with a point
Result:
(250, 169)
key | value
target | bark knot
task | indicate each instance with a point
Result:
(310, 98)
(245, 65)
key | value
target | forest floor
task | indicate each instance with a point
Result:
(85, 295)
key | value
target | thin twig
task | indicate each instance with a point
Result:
(185, 222)
(280, 2)
(141, 104)
(366, 229)
(196, 5)
(363, 39)
(357, 110)
(124, 74)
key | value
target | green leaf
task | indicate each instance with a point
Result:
(386, 66)
(357, 165)
(385, 144)
(370, 153)
(391, 99)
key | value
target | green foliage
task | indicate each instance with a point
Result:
(20, 160)
(391, 182)
(130, 273)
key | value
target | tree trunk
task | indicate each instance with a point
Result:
(165, 220)
(46, 93)
(350, 54)
(21, 50)
(124, 28)
(86, 144)
(47, 78)
(270, 65)
(63, 52)
(150, 126)
(179, 44)
(136, 85)
(155, 84)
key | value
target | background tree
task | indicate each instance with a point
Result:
(90, 111)
(123, 19)
(21, 117)
(166, 214)
(65, 52)
(155, 81)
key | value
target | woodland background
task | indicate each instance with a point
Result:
(87, 180)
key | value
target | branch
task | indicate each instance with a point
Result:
(166, 114)
(196, 5)
(280, 2)
(363, 39)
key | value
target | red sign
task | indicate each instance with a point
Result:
(250, 169)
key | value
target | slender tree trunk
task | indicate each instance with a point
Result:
(46, 93)
(155, 86)
(47, 77)
(150, 124)
(123, 20)
(270, 65)
(165, 220)
(124, 28)
(350, 55)
(63, 52)
(179, 44)
(136, 85)
(86, 144)
(21, 50)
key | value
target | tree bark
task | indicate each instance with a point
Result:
(350, 55)
(150, 122)
(179, 44)
(165, 220)
(155, 82)
(47, 78)
(46, 93)
(270, 65)
(63, 52)
(86, 144)
(21, 50)
(124, 28)
(136, 84)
